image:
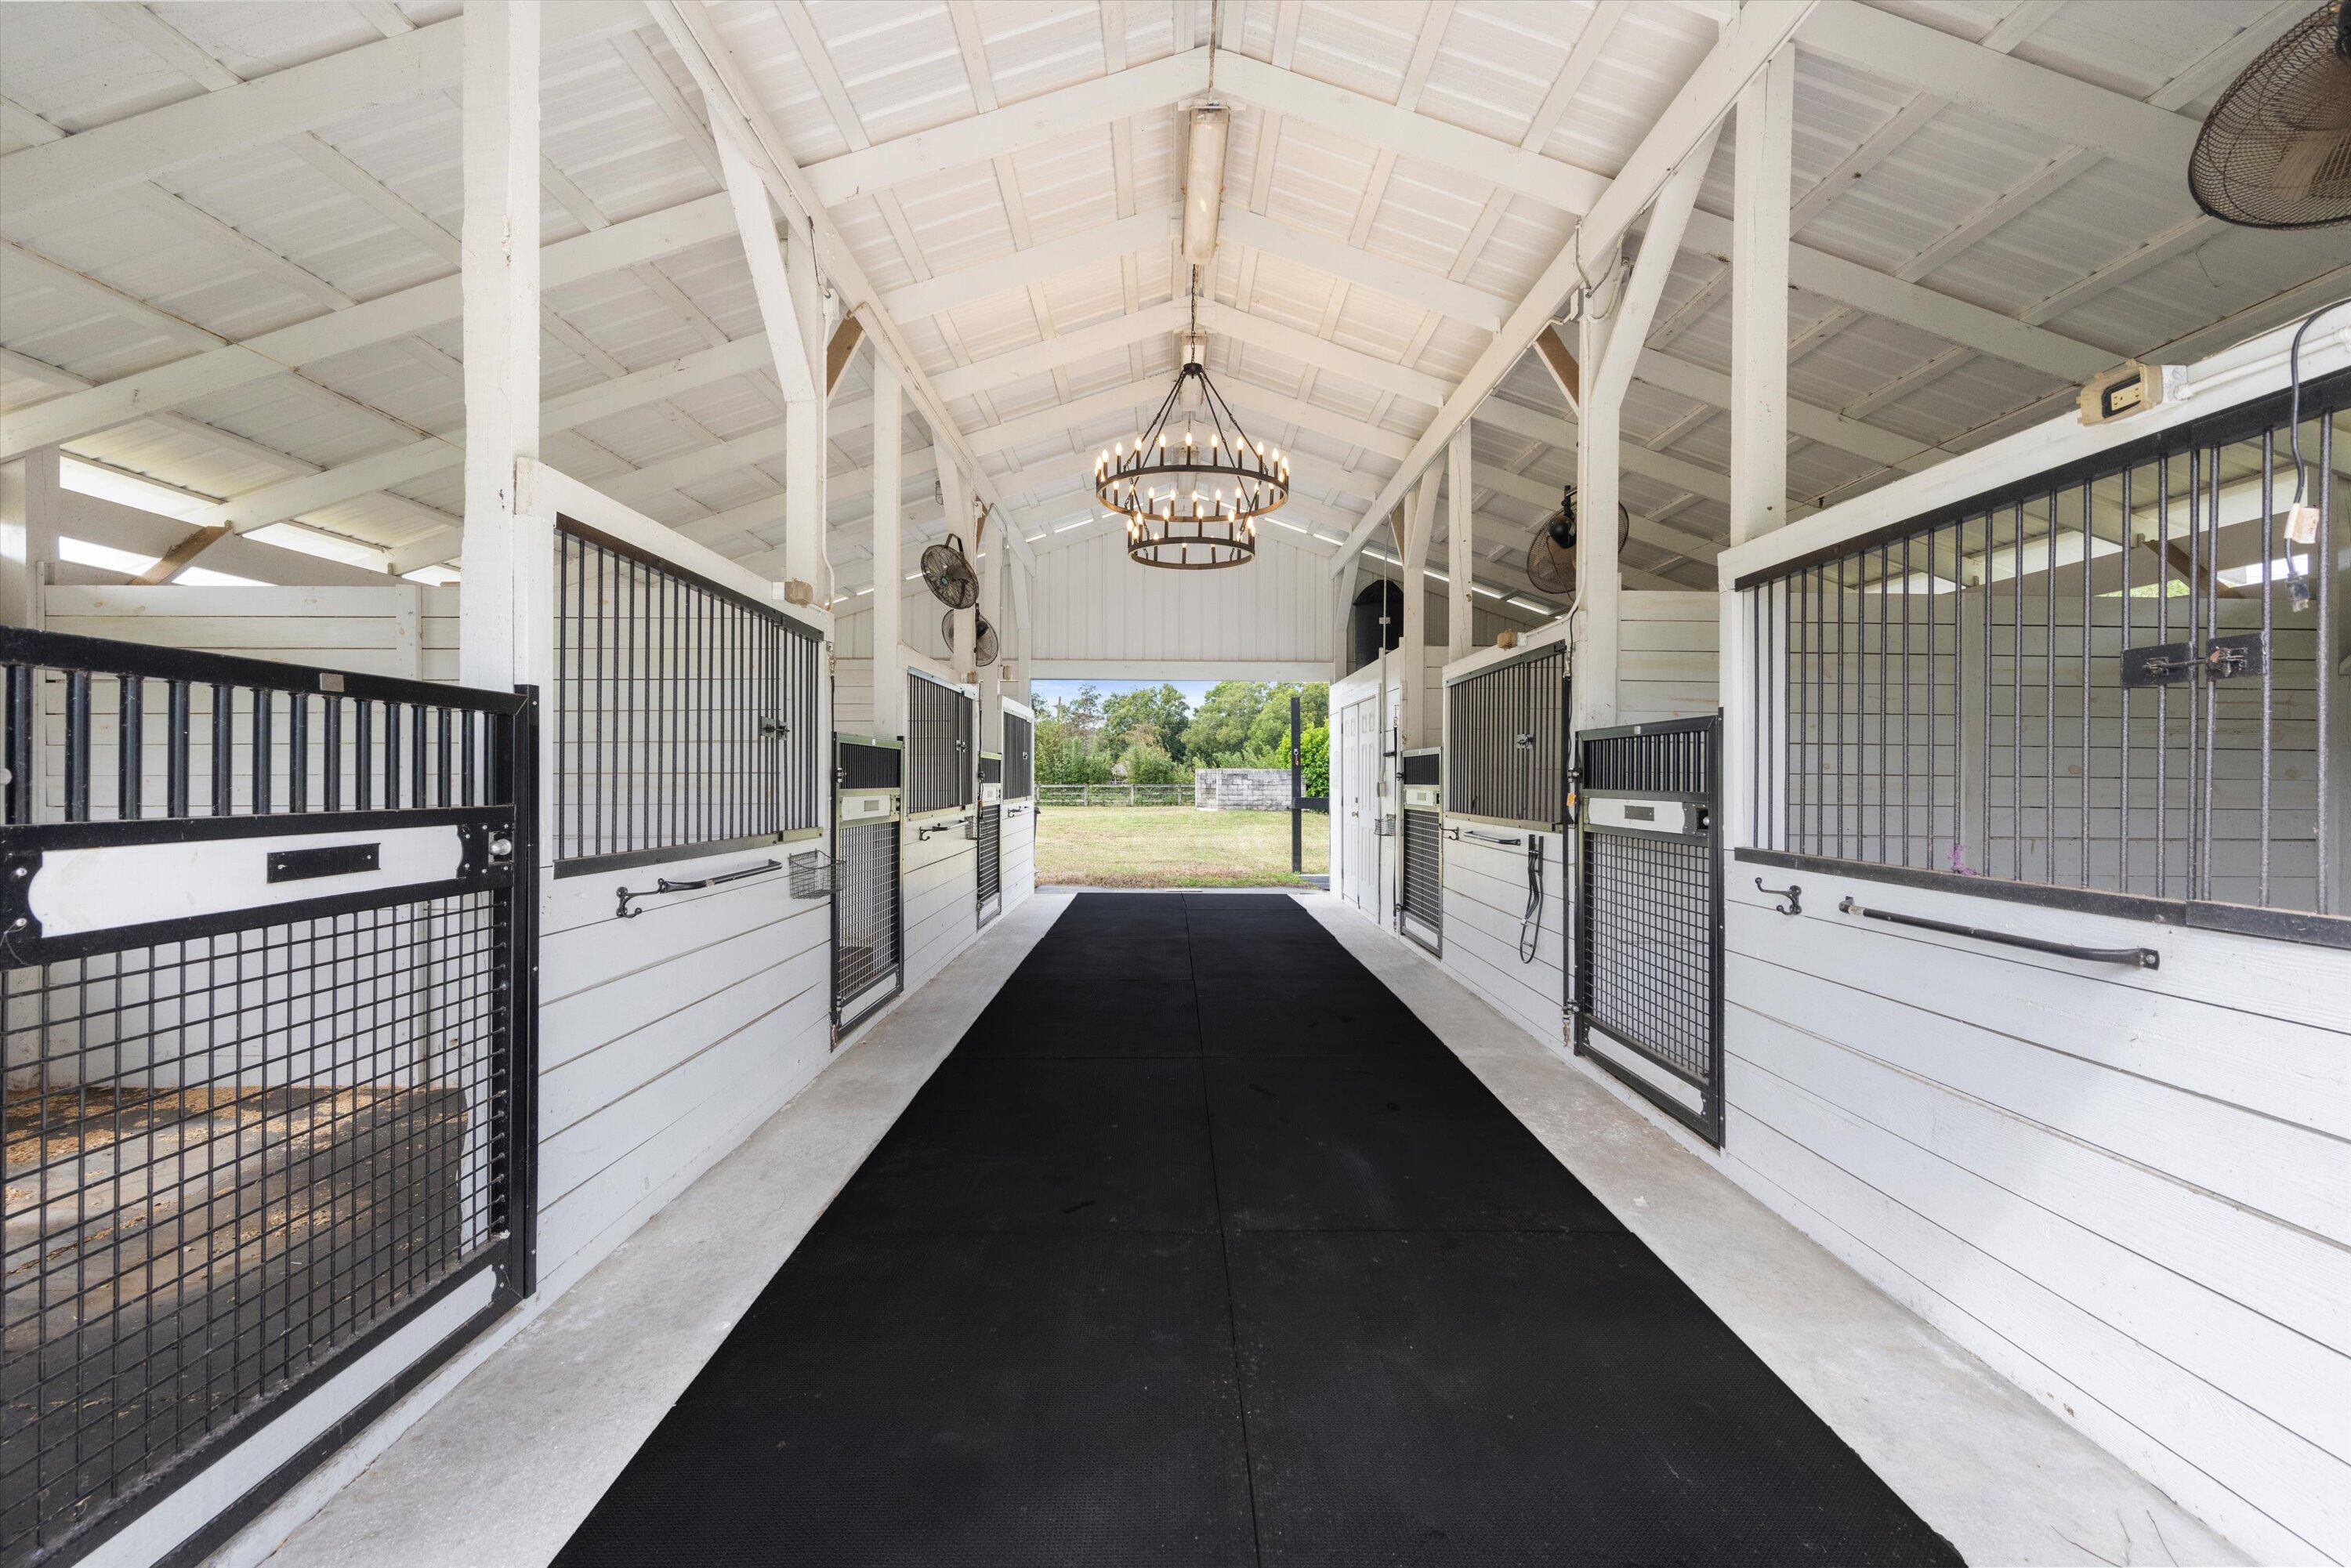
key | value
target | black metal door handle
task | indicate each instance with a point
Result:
(663, 884)
(2138, 957)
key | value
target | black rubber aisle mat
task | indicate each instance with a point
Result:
(1200, 1248)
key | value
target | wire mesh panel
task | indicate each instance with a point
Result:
(991, 862)
(1649, 951)
(1505, 726)
(1421, 884)
(938, 746)
(2118, 685)
(1019, 757)
(685, 717)
(868, 917)
(269, 1050)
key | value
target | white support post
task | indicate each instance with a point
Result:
(30, 501)
(954, 504)
(1460, 550)
(783, 280)
(505, 611)
(1419, 527)
(1342, 599)
(1759, 302)
(889, 665)
(1591, 672)
(805, 422)
(991, 605)
(1609, 349)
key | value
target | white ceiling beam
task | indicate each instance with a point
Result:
(980, 138)
(386, 317)
(715, 71)
(293, 497)
(1150, 229)
(1067, 349)
(1260, 333)
(1569, 189)
(273, 106)
(2069, 110)
(1355, 265)
(1688, 121)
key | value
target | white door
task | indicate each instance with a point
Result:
(1364, 805)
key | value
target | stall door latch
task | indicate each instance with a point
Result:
(2223, 658)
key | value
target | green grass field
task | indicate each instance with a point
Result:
(1173, 846)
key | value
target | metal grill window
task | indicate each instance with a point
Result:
(2122, 678)
(991, 862)
(1648, 938)
(938, 746)
(1504, 728)
(214, 736)
(1424, 876)
(865, 918)
(685, 717)
(1019, 757)
(240, 1146)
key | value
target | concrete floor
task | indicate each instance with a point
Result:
(501, 1472)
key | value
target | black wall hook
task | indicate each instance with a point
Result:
(1796, 904)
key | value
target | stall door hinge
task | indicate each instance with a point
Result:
(2223, 658)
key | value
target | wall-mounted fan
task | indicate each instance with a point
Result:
(2275, 152)
(984, 645)
(949, 573)
(1550, 554)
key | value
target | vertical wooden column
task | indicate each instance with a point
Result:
(1608, 350)
(889, 665)
(1460, 550)
(805, 417)
(31, 496)
(506, 608)
(955, 497)
(1592, 673)
(1411, 650)
(1759, 302)
(991, 605)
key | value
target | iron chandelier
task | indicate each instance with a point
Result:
(1193, 485)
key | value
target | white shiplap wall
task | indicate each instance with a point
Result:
(1091, 605)
(663, 1041)
(2129, 1190)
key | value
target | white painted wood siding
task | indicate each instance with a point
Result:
(1667, 660)
(1092, 604)
(1485, 899)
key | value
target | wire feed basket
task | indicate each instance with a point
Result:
(812, 874)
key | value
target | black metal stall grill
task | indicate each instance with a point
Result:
(1505, 730)
(938, 746)
(684, 717)
(868, 911)
(2112, 686)
(1421, 893)
(268, 1016)
(1019, 757)
(1649, 929)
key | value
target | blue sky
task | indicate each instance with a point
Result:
(1047, 693)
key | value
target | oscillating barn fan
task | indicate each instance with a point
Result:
(983, 643)
(948, 572)
(2275, 152)
(1550, 554)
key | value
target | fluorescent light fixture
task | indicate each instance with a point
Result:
(1204, 181)
(1081, 523)
(1488, 592)
(1530, 604)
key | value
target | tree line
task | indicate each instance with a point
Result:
(1151, 736)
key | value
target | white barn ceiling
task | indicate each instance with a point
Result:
(1988, 207)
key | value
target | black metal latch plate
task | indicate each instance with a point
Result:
(2223, 658)
(334, 860)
